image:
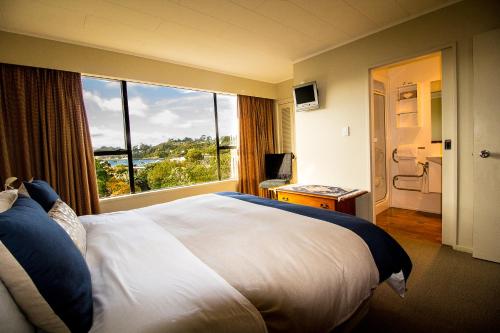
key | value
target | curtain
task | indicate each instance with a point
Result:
(44, 133)
(256, 140)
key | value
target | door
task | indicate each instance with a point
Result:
(380, 180)
(486, 229)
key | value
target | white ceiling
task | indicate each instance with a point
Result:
(258, 39)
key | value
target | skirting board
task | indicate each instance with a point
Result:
(418, 210)
(462, 248)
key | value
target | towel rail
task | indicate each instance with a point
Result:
(395, 152)
(425, 167)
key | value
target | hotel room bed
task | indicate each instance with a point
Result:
(230, 262)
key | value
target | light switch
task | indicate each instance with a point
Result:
(345, 131)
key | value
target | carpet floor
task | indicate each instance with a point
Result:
(448, 291)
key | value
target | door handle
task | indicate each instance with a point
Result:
(485, 153)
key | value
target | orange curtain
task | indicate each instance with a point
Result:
(44, 133)
(256, 140)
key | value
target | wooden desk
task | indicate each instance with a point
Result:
(320, 199)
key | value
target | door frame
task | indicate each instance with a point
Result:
(388, 136)
(278, 131)
(449, 198)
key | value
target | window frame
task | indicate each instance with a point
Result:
(128, 141)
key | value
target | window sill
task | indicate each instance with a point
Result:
(143, 199)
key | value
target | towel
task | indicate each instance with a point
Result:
(407, 120)
(408, 166)
(406, 106)
(407, 151)
(407, 99)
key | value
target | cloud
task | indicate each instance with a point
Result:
(185, 91)
(150, 138)
(157, 116)
(103, 136)
(107, 104)
(191, 101)
(136, 105)
(112, 84)
(165, 117)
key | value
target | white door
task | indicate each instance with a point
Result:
(285, 125)
(486, 234)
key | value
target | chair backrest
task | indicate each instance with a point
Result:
(279, 166)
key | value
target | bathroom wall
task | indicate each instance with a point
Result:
(421, 72)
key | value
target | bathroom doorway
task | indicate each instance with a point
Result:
(407, 147)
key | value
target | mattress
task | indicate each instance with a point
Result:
(234, 263)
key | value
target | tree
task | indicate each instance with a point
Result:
(118, 186)
(200, 165)
(167, 174)
(104, 172)
(194, 155)
(141, 178)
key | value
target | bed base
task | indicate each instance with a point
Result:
(350, 324)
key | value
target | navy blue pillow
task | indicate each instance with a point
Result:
(35, 248)
(41, 192)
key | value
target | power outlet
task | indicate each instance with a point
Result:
(346, 131)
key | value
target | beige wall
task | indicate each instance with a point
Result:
(38, 52)
(342, 74)
(284, 90)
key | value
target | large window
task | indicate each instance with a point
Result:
(148, 137)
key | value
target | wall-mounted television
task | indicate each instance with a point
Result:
(305, 97)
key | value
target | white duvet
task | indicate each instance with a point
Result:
(216, 264)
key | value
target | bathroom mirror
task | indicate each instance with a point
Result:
(436, 111)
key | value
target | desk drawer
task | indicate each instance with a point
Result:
(307, 200)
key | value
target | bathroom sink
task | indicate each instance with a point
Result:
(435, 159)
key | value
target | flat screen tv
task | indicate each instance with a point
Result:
(305, 97)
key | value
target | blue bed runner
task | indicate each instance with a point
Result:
(388, 255)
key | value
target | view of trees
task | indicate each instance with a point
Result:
(176, 162)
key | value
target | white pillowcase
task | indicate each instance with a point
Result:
(7, 199)
(68, 220)
(22, 190)
(11, 318)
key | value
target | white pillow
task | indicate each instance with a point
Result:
(68, 220)
(7, 199)
(22, 190)
(11, 318)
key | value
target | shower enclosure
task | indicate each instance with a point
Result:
(379, 142)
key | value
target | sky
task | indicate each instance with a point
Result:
(157, 113)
